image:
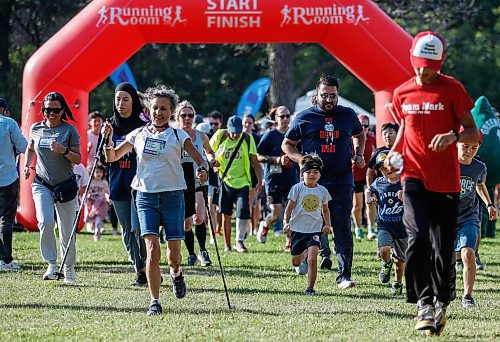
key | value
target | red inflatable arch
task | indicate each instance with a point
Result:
(108, 32)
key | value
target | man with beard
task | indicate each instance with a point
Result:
(326, 128)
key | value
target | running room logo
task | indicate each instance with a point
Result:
(168, 16)
(333, 14)
(233, 14)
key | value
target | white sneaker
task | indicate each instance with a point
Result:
(11, 266)
(345, 284)
(51, 273)
(302, 268)
(69, 274)
(262, 233)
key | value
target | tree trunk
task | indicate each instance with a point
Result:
(281, 57)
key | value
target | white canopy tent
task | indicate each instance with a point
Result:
(304, 102)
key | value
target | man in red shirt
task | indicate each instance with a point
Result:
(431, 107)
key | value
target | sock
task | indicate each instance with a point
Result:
(175, 274)
(189, 241)
(241, 228)
(155, 300)
(201, 235)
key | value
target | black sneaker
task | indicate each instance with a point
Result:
(310, 292)
(204, 259)
(154, 309)
(179, 286)
(397, 288)
(326, 263)
(385, 272)
(140, 279)
(191, 260)
(468, 302)
(479, 264)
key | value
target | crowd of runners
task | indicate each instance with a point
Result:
(317, 177)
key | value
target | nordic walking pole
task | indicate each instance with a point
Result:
(216, 247)
(80, 209)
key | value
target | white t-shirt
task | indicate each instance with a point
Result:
(158, 159)
(82, 176)
(93, 140)
(306, 216)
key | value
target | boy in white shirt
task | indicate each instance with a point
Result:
(307, 208)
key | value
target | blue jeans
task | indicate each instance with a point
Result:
(340, 213)
(162, 209)
(131, 237)
(8, 207)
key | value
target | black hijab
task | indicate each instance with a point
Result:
(123, 126)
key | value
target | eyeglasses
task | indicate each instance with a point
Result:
(365, 126)
(214, 124)
(332, 96)
(285, 116)
(187, 116)
(47, 110)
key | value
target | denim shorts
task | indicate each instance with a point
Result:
(399, 246)
(161, 209)
(467, 235)
(229, 196)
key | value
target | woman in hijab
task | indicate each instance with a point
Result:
(127, 109)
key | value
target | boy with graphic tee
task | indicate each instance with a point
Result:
(387, 192)
(307, 203)
(472, 180)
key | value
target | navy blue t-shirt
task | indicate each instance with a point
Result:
(277, 176)
(470, 175)
(328, 135)
(390, 207)
(121, 173)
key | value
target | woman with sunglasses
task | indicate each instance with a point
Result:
(159, 183)
(194, 194)
(56, 145)
(280, 172)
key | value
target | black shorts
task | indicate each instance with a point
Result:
(278, 196)
(228, 196)
(302, 241)
(359, 186)
(189, 198)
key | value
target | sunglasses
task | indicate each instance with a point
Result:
(53, 110)
(365, 126)
(332, 96)
(214, 124)
(187, 116)
(285, 116)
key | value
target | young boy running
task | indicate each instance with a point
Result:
(308, 201)
(392, 238)
(472, 178)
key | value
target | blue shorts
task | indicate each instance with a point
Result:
(161, 209)
(467, 235)
(302, 241)
(229, 196)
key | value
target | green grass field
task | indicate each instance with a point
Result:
(267, 295)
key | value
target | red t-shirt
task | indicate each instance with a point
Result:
(370, 143)
(428, 110)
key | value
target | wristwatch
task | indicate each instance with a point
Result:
(66, 151)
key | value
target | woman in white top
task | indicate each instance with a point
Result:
(193, 195)
(159, 183)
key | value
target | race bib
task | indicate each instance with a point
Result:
(154, 146)
(44, 143)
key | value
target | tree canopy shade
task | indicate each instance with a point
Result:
(359, 35)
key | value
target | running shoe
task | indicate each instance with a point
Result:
(179, 286)
(468, 302)
(302, 268)
(359, 234)
(154, 308)
(345, 284)
(240, 247)
(326, 263)
(204, 259)
(310, 292)
(262, 232)
(69, 274)
(51, 273)
(440, 317)
(192, 259)
(397, 288)
(371, 234)
(479, 264)
(425, 317)
(288, 249)
(140, 279)
(385, 272)
(11, 266)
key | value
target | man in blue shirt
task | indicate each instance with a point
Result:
(13, 143)
(326, 128)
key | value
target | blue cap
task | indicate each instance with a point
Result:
(234, 124)
(3, 103)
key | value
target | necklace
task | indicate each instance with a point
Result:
(164, 126)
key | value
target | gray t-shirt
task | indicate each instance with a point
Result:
(470, 175)
(53, 167)
(306, 216)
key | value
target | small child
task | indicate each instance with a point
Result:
(472, 178)
(305, 220)
(97, 202)
(392, 238)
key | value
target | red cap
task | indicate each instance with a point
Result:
(427, 51)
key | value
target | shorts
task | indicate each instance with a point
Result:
(228, 196)
(359, 186)
(189, 197)
(161, 209)
(398, 246)
(278, 196)
(467, 235)
(302, 241)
